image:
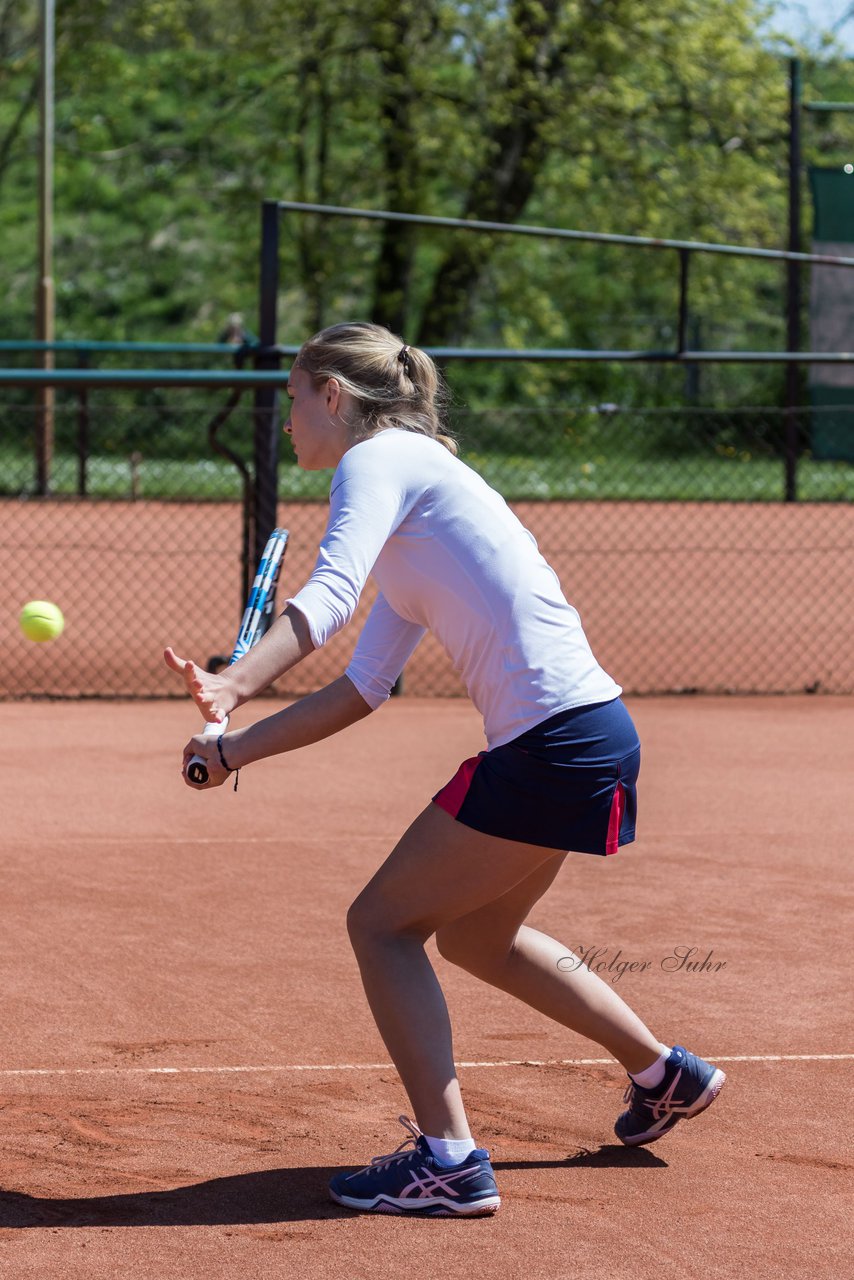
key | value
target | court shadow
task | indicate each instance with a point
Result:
(269, 1196)
(611, 1156)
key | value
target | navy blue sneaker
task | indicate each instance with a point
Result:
(689, 1086)
(410, 1180)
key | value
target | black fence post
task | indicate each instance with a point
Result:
(82, 429)
(793, 284)
(682, 328)
(266, 444)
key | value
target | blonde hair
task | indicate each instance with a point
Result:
(393, 384)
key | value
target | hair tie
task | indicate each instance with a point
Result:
(403, 357)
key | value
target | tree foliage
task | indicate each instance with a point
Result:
(175, 118)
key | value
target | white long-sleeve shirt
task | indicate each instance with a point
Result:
(449, 556)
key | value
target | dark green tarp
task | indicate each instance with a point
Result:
(832, 315)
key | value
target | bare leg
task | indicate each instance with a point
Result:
(494, 945)
(440, 872)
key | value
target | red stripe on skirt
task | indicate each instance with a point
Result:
(615, 821)
(451, 797)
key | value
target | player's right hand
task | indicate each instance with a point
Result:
(211, 693)
(205, 747)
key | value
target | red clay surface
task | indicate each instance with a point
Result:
(188, 1056)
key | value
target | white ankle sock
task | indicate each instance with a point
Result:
(652, 1076)
(449, 1151)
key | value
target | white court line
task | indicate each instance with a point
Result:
(119, 840)
(386, 1066)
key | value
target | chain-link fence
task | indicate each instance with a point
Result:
(666, 526)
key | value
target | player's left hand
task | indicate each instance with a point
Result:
(206, 748)
(212, 693)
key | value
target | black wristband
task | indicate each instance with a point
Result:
(225, 763)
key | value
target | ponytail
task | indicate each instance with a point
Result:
(392, 383)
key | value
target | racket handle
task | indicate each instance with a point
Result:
(197, 770)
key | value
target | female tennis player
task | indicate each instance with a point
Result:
(558, 775)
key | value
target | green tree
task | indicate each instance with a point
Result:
(19, 84)
(175, 118)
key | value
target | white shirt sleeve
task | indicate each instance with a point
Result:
(384, 647)
(366, 506)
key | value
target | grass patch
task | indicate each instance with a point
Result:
(519, 476)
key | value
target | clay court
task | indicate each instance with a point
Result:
(188, 1056)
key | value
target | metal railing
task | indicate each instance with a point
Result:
(792, 258)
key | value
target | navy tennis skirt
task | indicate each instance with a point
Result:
(568, 784)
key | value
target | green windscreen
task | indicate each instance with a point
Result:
(831, 315)
(833, 204)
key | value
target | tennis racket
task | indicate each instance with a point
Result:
(256, 618)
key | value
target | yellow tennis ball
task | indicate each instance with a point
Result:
(40, 620)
